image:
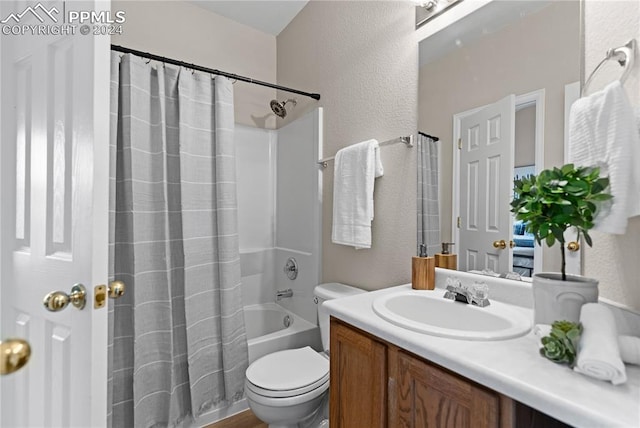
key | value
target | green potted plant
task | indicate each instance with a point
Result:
(549, 204)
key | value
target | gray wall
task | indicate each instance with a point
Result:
(184, 31)
(613, 260)
(362, 58)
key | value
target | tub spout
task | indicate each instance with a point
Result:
(284, 293)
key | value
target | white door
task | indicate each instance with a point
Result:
(54, 155)
(486, 184)
(573, 255)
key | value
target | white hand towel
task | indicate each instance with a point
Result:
(629, 349)
(598, 352)
(603, 132)
(355, 170)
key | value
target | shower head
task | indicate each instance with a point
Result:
(278, 107)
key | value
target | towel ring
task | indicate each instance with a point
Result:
(623, 54)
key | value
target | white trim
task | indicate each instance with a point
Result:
(100, 69)
(535, 97)
(571, 94)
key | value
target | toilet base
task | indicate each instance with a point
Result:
(308, 414)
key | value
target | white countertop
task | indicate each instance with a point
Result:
(511, 367)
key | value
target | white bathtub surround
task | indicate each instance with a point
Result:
(279, 209)
(299, 210)
(266, 331)
(511, 367)
(257, 267)
(308, 277)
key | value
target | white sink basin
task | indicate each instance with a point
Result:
(428, 312)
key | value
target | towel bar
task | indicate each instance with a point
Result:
(408, 140)
(623, 54)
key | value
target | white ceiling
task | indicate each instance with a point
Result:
(268, 16)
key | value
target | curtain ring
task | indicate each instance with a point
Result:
(234, 81)
(148, 61)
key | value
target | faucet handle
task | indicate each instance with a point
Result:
(453, 284)
(479, 293)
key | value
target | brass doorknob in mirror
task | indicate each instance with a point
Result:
(512, 244)
(501, 244)
(14, 354)
(58, 300)
(116, 289)
(573, 246)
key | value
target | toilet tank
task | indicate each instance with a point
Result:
(332, 290)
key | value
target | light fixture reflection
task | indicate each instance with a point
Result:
(429, 9)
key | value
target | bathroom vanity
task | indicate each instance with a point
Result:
(379, 385)
(384, 375)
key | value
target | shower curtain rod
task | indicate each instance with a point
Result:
(436, 139)
(211, 70)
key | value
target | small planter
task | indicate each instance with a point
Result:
(555, 299)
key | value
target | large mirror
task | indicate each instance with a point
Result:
(493, 87)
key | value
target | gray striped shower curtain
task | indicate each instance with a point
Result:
(177, 339)
(428, 202)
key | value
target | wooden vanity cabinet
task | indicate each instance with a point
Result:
(427, 395)
(358, 378)
(376, 384)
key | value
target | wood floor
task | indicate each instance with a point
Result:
(245, 419)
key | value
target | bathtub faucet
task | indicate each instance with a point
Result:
(284, 293)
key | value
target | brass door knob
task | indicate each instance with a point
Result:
(501, 244)
(100, 293)
(58, 300)
(116, 289)
(14, 354)
(573, 246)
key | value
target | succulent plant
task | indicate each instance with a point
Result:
(561, 346)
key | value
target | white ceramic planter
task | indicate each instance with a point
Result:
(555, 299)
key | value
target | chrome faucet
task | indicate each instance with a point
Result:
(284, 293)
(475, 294)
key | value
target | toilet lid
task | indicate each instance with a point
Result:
(288, 370)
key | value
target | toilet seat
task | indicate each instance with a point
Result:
(288, 373)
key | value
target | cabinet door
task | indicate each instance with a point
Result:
(429, 396)
(358, 379)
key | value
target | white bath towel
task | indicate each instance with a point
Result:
(629, 349)
(355, 170)
(598, 351)
(603, 132)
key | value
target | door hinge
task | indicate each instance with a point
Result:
(459, 143)
(459, 222)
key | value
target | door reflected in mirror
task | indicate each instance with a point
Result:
(492, 87)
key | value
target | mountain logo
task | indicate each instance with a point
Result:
(39, 11)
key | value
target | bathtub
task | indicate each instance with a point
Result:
(271, 328)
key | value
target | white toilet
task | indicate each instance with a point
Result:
(287, 388)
